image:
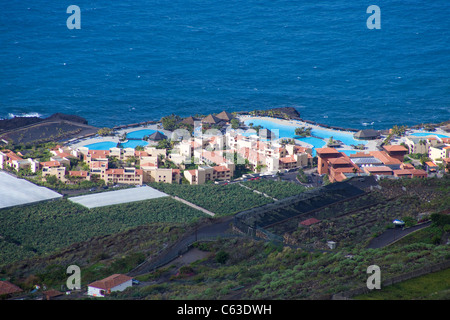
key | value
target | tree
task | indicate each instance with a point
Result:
(235, 123)
(330, 141)
(51, 179)
(104, 131)
(303, 131)
(222, 257)
(170, 122)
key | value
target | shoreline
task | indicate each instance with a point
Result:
(369, 145)
(294, 121)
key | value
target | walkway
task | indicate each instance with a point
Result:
(256, 191)
(212, 214)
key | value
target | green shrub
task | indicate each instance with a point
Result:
(222, 257)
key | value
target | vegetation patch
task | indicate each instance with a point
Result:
(220, 199)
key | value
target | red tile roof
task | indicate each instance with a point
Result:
(110, 282)
(140, 153)
(78, 173)
(50, 164)
(115, 171)
(288, 159)
(384, 157)
(221, 168)
(326, 151)
(395, 148)
(7, 287)
(340, 160)
(378, 169)
(309, 222)
(12, 156)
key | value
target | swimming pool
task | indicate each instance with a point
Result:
(134, 143)
(315, 142)
(425, 134)
(140, 134)
(350, 152)
(286, 131)
(104, 145)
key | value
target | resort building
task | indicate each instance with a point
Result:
(417, 144)
(92, 155)
(337, 165)
(79, 175)
(128, 175)
(396, 151)
(65, 152)
(205, 173)
(13, 160)
(162, 175)
(410, 173)
(431, 166)
(375, 158)
(438, 152)
(297, 160)
(58, 171)
(379, 171)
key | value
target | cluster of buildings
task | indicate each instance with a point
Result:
(213, 155)
(386, 163)
(437, 149)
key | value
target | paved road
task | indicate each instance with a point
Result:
(392, 235)
(219, 227)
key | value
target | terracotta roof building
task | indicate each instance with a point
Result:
(7, 288)
(211, 119)
(116, 282)
(225, 116)
(396, 151)
(309, 222)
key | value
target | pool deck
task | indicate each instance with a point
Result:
(97, 139)
(370, 146)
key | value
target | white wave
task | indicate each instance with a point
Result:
(24, 115)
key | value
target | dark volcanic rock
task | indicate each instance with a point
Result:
(290, 111)
(19, 122)
(66, 117)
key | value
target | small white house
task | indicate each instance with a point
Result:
(116, 282)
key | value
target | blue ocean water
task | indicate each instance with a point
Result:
(140, 60)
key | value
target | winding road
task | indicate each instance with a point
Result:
(392, 235)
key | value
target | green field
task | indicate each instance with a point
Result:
(46, 227)
(433, 286)
(276, 189)
(220, 199)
